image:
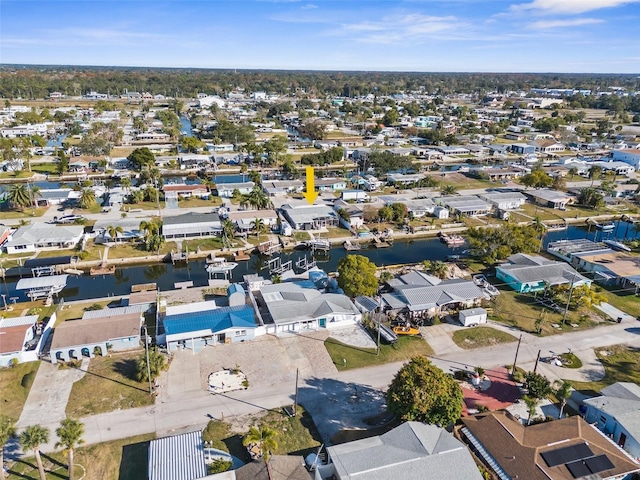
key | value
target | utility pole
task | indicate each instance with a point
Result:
(295, 401)
(535, 368)
(146, 347)
(515, 360)
(566, 309)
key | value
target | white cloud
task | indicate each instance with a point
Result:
(569, 6)
(309, 6)
(576, 22)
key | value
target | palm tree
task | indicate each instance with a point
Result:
(114, 232)
(87, 198)
(255, 177)
(70, 433)
(563, 392)
(439, 269)
(259, 227)
(264, 437)
(31, 439)
(573, 171)
(539, 226)
(149, 228)
(594, 173)
(125, 183)
(344, 214)
(532, 404)
(19, 195)
(7, 430)
(228, 230)
(154, 242)
(448, 190)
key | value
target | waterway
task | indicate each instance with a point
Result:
(165, 275)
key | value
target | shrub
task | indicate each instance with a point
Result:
(95, 306)
(219, 465)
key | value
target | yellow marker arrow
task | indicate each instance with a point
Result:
(311, 193)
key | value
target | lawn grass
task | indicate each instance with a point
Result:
(336, 232)
(75, 311)
(142, 206)
(46, 168)
(192, 202)
(125, 250)
(15, 383)
(626, 301)
(478, 337)
(20, 174)
(108, 385)
(569, 360)
(124, 459)
(406, 348)
(22, 215)
(621, 364)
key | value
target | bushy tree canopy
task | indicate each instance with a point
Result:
(422, 392)
(492, 244)
(357, 276)
(142, 157)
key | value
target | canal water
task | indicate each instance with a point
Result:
(166, 275)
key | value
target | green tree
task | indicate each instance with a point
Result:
(448, 190)
(422, 392)
(563, 392)
(191, 144)
(595, 172)
(141, 158)
(536, 179)
(31, 439)
(87, 198)
(157, 364)
(63, 162)
(264, 437)
(385, 214)
(400, 211)
(531, 403)
(255, 177)
(114, 232)
(492, 244)
(274, 147)
(343, 213)
(439, 269)
(154, 242)
(70, 433)
(590, 197)
(19, 196)
(538, 385)
(357, 276)
(259, 227)
(7, 430)
(228, 231)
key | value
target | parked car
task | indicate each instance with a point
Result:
(68, 218)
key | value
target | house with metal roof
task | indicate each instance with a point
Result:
(83, 338)
(43, 236)
(533, 273)
(191, 225)
(294, 306)
(275, 188)
(225, 190)
(180, 457)
(411, 450)
(469, 205)
(548, 197)
(564, 449)
(195, 325)
(310, 217)
(15, 335)
(430, 299)
(616, 412)
(504, 200)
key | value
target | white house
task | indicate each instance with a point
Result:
(225, 190)
(43, 236)
(15, 335)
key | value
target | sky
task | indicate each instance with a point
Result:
(575, 36)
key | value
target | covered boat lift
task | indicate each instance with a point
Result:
(42, 287)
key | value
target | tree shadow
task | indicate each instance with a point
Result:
(134, 464)
(53, 460)
(127, 368)
(236, 448)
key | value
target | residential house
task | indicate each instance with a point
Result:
(533, 273)
(276, 188)
(83, 338)
(452, 150)
(191, 225)
(548, 146)
(279, 467)
(469, 205)
(15, 336)
(616, 166)
(420, 207)
(182, 190)
(130, 229)
(310, 217)
(354, 213)
(404, 179)
(295, 306)
(504, 200)
(371, 183)
(616, 412)
(225, 190)
(245, 219)
(194, 326)
(53, 196)
(410, 451)
(550, 198)
(43, 236)
(522, 148)
(628, 155)
(330, 184)
(564, 449)
(180, 457)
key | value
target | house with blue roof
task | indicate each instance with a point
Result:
(196, 325)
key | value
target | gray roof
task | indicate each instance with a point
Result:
(111, 312)
(549, 195)
(234, 186)
(40, 282)
(467, 203)
(290, 302)
(180, 457)
(302, 215)
(39, 233)
(192, 223)
(191, 217)
(432, 296)
(418, 279)
(622, 401)
(502, 196)
(412, 450)
(533, 269)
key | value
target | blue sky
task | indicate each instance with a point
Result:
(413, 35)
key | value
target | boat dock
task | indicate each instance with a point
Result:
(350, 246)
(180, 256)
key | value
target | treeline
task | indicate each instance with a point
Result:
(38, 82)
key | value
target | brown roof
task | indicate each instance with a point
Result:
(12, 338)
(149, 296)
(252, 214)
(184, 188)
(518, 449)
(73, 333)
(281, 467)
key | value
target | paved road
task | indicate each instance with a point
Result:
(194, 411)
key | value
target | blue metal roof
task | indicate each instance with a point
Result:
(235, 288)
(216, 320)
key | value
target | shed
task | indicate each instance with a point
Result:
(472, 317)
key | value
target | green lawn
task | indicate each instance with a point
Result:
(406, 348)
(20, 174)
(477, 337)
(124, 459)
(15, 383)
(46, 168)
(628, 302)
(199, 202)
(142, 206)
(26, 214)
(125, 250)
(621, 364)
(75, 311)
(109, 386)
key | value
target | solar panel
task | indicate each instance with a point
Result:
(578, 469)
(567, 454)
(599, 463)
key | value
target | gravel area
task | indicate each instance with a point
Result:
(354, 335)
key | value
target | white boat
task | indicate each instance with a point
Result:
(617, 245)
(220, 265)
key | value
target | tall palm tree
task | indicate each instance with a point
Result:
(539, 226)
(31, 439)
(154, 242)
(532, 404)
(448, 190)
(344, 214)
(255, 177)
(228, 230)
(264, 437)
(563, 392)
(439, 269)
(125, 183)
(259, 227)
(87, 198)
(7, 430)
(70, 433)
(19, 195)
(114, 232)
(149, 228)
